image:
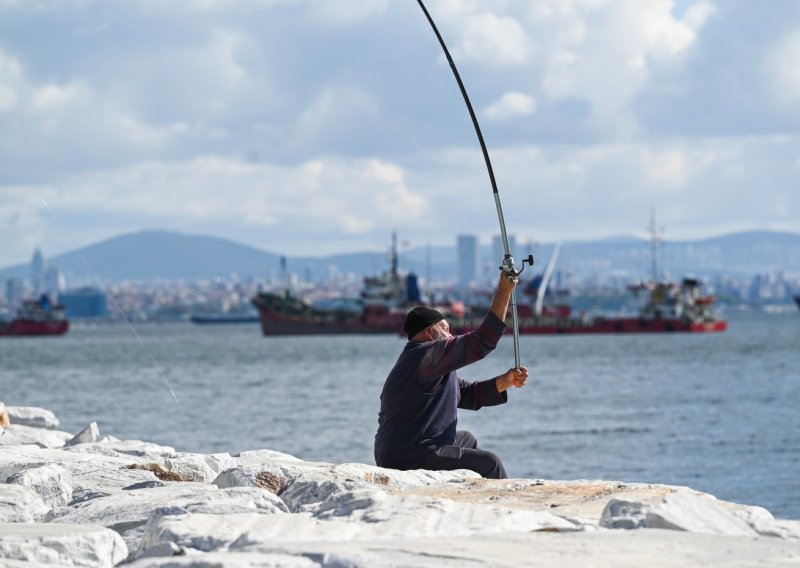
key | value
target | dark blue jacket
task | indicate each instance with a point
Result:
(423, 391)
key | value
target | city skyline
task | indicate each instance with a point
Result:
(318, 126)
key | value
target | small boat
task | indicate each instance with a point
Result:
(36, 317)
(224, 318)
(797, 300)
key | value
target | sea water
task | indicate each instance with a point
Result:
(717, 412)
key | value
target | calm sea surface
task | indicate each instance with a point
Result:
(718, 412)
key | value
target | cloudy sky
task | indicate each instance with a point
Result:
(311, 127)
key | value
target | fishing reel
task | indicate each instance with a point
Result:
(508, 268)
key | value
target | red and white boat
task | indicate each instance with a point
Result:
(36, 317)
(670, 307)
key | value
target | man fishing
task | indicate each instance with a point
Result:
(419, 401)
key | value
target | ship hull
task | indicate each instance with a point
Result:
(31, 328)
(281, 316)
(215, 319)
(278, 324)
(602, 325)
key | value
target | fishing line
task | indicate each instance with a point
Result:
(158, 367)
(507, 262)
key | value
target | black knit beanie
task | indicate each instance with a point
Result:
(419, 318)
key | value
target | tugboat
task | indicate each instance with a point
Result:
(36, 317)
(381, 308)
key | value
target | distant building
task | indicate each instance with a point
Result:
(15, 292)
(54, 281)
(467, 247)
(84, 303)
(498, 252)
(37, 272)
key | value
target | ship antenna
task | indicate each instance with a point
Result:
(507, 262)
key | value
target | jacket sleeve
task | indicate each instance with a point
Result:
(446, 355)
(479, 394)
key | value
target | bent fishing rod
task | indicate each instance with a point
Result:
(507, 262)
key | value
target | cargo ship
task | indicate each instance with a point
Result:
(381, 307)
(670, 307)
(36, 317)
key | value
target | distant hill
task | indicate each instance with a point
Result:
(154, 255)
(160, 255)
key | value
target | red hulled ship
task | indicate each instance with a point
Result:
(36, 317)
(669, 307)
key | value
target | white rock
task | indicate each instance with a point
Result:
(365, 516)
(86, 436)
(51, 482)
(199, 467)
(310, 492)
(19, 504)
(145, 451)
(602, 549)
(72, 545)
(33, 416)
(396, 478)
(18, 434)
(258, 457)
(89, 471)
(682, 510)
(246, 560)
(123, 510)
(274, 477)
(127, 511)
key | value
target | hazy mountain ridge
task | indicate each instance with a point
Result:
(153, 255)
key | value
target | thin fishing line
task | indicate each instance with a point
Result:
(158, 367)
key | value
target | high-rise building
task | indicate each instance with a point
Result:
(467, 246)
(15, 292)
(54, 281)
(498, 252)
(37, 272)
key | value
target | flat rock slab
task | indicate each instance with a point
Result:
(600, 549)
(70, 545)
(19, 434)
(99, 472)
(33, 416)
(582, 499)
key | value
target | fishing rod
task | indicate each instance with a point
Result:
(507, 262)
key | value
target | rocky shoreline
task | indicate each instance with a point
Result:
(87, 500)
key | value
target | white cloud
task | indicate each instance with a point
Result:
(351, 196)
(783, 67)
(493, 39)
(10, 76)
(510, 105)
(347, 12)
(353, 125)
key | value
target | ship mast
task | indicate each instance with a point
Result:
(393, 257)
(654, 242)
